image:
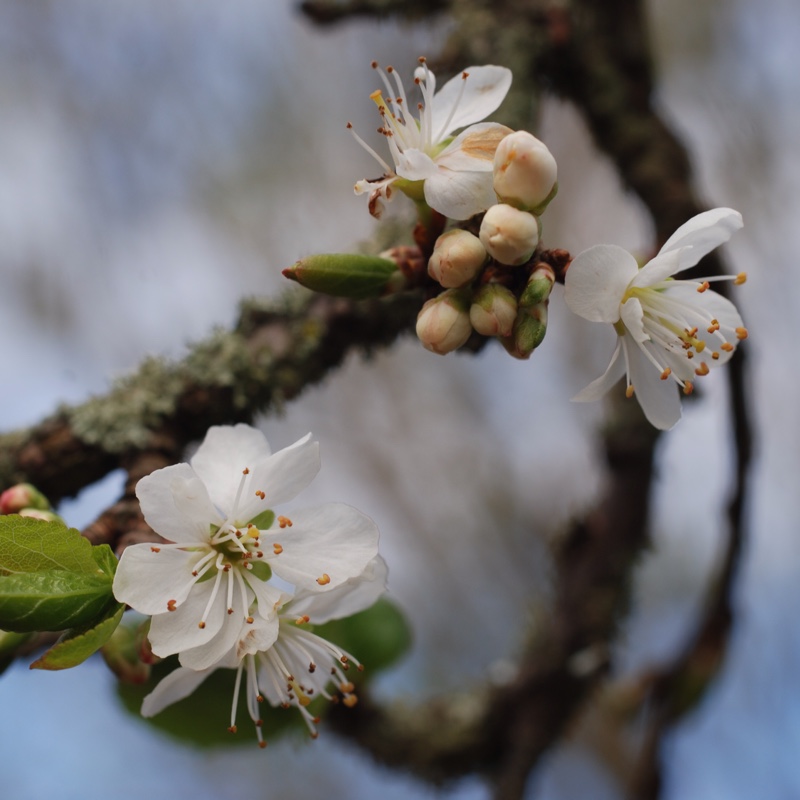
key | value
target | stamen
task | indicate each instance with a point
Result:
(214, 591)
(386, 168)
(727, 347)
(741, 333)
(277, 549)
(740, 279)
(703, 286)
(629, 391)
(688, 387)
(171, 605)
(702, 369)
(454, 107)
(285, 522)
(666, 373)
(155, 549)
(235, 704)
(324, 580)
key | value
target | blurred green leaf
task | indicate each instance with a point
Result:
(51, 601)
(77, 644)
(33, 545)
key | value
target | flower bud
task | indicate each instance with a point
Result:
(457, 258)
(344, 274)
(510, 235)
(525, 172)
(23, 495)
(122, 655)
(530, 327)
(493, 310)
(443, 322)
(539, 285)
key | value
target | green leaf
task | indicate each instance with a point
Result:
(105, 559)
(77, 644)
(377, 637)
(202, 719)
(51, 601)
(33, 545)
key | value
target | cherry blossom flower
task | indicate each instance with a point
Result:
(288, 664)
(670, 331)
(225, 543)
(452, 174)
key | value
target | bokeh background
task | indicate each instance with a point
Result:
(159, 161)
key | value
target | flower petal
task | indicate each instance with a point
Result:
(483, 91)
(703, 233)
(632, 316)
(178, 630)
(473, 150)
(459, 195)
(147, 580)
(596, 282)
(354, 595)
(225, 452)
(414, 165)
(258, 637)
(599, 386)
(660, 400)
(180, 683)
(334, 540)
(281, 477)
(176, 505)
(268, 597)
(660, 268)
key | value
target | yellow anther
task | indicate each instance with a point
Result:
(741, 333)
(350, 700)
(284, 522)
(201, 624)
(171, 605)
(629, 392)
(727, 347)
(249, 620)
(156, 549)
(703, 286)
(689, 354)
(702, 369)
(691, 332)
(324, 580)
(277, 549)
(666, 373)
(302, 620)
(346, 688)
(245, 471)
(713, 327)
(740, 279)
(715, 355)
(688, 387)
(260, 494)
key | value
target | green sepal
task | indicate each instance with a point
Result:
(540, 209)
(33, 545)
(264, 520)
(51, 601)
(77, 644)
(261, 569)
(344, 274)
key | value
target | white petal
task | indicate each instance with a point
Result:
(632, 316)
(414, 165)
(484, 90)
(268, 597)
(596, 282)
(334, 540)
(599, 386)
(178, 630)
(225, 452)
(660, 268)
(176, 505)
(258, 637)
(660, 400)
(148, 580)
(352, 596)
(180, 683)
(460, 195)
(474, 149)
(703, 233)
(281, 477)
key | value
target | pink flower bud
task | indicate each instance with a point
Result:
(457, 258)
(509, 235)
(443, 322)
(493, 310)
(23, 495)
(525, 172)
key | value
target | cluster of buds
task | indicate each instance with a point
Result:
(493, 284)
(27, 501)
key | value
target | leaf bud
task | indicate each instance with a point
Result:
(530, 327)
(23, 495)
(344, 274)
(493, 310)
(539, 285)
(525, 172)
(443, 322)
(457, 258)
(509, 235)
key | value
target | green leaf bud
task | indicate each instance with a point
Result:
(493, 310)
(345, 274)
(539, 285)
(530, 327)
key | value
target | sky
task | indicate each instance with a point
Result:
(162, 161)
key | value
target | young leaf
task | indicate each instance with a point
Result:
(77, 644)
(33, 545)
(105, 559)
(51, 601)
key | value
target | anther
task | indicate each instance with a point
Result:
(324, 580)
(464, 75)
(171, 604)
(691, 332)
(715, 355)
(422, 59)
(156, 549)
(741, 333)
(302, 620)
(349, 126)
(245, 471)
(703, 286)
(232, 729)
(194, 573)
(346, 688)
(713, 327)
(727, 347)
(260, 494)
(249, 620)
(230, 611)
(285, 522)
(312, 667)
(702, 369)
(740, 279)
(262, 744)
(689, 354)
(374, 65)
(688, 387)
(277, 549)
(201, 624)
(666, 373)
(629, 392)
(349, 700)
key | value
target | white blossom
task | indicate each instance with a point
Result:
(225, 543)
(289, 664)
(452, 174)
(670, 331)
